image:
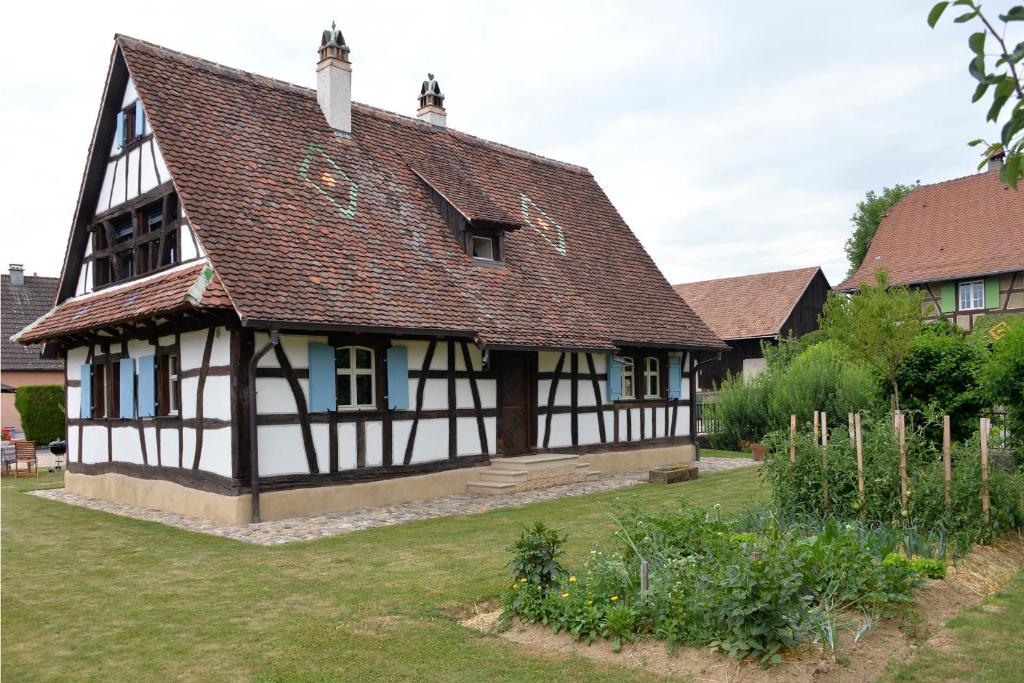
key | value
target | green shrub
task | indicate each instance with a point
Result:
(817, 378)
(942, 374)
(41, 407)
(1003, 377)
(536, 556)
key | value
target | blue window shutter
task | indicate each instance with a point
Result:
(85, 391)
(140, 119)
(323, 388)
(147, 386)
(398, 378)
(119, 135)
(675, 376)
(127, 388)
(614, 379)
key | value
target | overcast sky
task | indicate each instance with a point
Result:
(733, 137)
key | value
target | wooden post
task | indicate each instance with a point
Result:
(901, 434)
(792, 438)
(860, 464)
(815, 427)
(947, 462)
(985, 422)
(644, 574)
(849, 420)
(824, 458)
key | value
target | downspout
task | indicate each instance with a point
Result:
(254, 442)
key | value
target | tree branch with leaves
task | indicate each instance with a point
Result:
(1004, 80)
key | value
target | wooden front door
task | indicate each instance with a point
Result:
(516, 379)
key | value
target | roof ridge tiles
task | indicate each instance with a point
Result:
(379, 112)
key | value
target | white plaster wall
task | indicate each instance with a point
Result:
(347, 445)
(281, 450)
(468, 435)
(322, 444)
(587, 429)
(374, 445)
(94, 444)
(400, 430)
(73, 443)
(216, 456)
(431, 441)
(547, 360)
(169, 448)
(125, 445)
(435, 394)
(150, 433)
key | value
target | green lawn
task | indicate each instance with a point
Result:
(988, 644)
(87, 595)
(713, 453)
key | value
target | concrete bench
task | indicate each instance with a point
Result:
(672, 474)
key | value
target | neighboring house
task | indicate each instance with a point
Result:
(24, 298)
(408, 299)
(750, 309)
(960, 241)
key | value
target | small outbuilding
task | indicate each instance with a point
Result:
(750, 309)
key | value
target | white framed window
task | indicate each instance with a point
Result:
(173, 371)
(483, 247)
(972, 295)
(356, 378)
(652, 377)
(628, 378)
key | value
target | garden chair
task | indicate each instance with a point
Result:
(25, 452)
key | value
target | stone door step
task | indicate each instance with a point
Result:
(525, 473)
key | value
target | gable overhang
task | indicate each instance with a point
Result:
(943, 278)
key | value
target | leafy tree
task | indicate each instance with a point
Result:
(1003, 376)
(1004, 80)
(866, 220)
(876, 325)
(942, 372)
(41, 407)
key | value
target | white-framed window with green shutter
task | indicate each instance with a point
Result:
(971, 295)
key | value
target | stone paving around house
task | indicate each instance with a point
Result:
(336, 523)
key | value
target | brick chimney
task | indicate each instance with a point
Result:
(995, 162)
(17, 272)
(334, 81)
(432, 103)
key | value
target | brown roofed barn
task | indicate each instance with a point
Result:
(750, 309)
(272, 288)
(960, 241)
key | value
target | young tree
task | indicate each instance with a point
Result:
(866, 220)
(1005, 82)
(876, 325)
(1004, 378)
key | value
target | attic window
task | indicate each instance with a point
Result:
(483, 248)
(131, 125)
(136, 241)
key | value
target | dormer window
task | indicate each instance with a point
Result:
(484, 248)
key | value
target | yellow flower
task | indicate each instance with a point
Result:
(615, 598)
(565, 595)
(522, 580)
(572, 579)
(515, 586)
(590, 602)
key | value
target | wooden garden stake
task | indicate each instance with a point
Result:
(860, 464)
(815, 427)
(644, 575)
(985, 422)
(824, 457)
(792, 438)
(849, 420)
(902, 436)
(947, 462)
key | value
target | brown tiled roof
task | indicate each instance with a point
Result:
(309, 228)
(21, 305)
(954, 229)
(160, 294)
(748, 305)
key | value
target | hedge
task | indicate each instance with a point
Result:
(41, 407)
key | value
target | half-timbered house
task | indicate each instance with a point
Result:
(276, 302)
(961, 242)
